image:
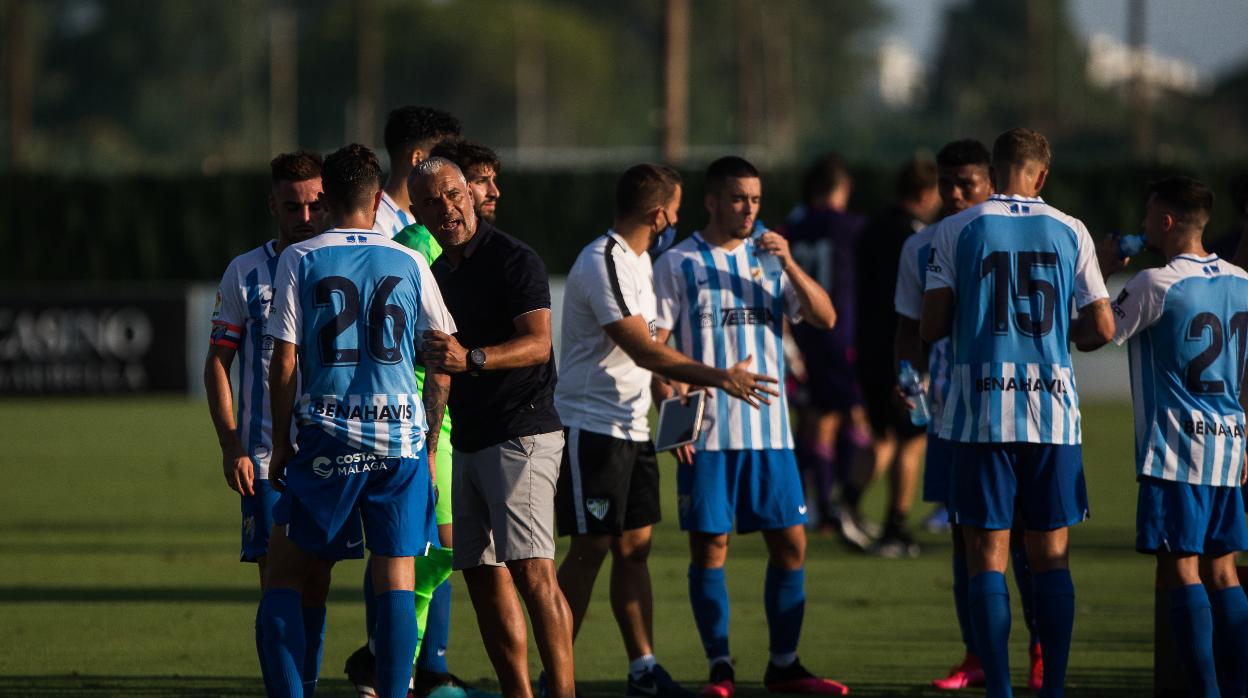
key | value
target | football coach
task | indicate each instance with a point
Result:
(508, 438)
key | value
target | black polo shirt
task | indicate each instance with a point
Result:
(498, 280)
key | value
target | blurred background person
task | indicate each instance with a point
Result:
(1233, 245)
(898, 444)
(480, 166)
(411, 135)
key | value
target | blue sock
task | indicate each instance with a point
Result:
(960, 602)
(313, 645)
(708, 594)
(1230, 625)
(1192, 623)
(437, 631)
(281, 629)
(1054, 596)
(989, 602)
(784, 600)
(370, 601)
(264, 668)
(395, 642)
(1026, 592)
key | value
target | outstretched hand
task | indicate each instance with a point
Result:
(753, 388)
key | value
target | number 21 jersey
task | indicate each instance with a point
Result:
(1017, 267)
(1188, 326)
(357, 304)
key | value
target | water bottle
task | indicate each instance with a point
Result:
(1130, 245)
(769, 262)
(912, 387)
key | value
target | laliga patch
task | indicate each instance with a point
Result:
(598, 507)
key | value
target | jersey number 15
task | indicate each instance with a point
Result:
(1039, 321)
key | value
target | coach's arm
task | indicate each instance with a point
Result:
(633, 336)
(282, 366)
(936, 321)
(235, 463)
(529, 346)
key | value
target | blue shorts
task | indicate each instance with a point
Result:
(937, 470)
(1177, 517)
(257, 520)
(761, 490)
(1044, 481)
(330, 487)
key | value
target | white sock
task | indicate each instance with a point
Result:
(641, 665)
(783, 660)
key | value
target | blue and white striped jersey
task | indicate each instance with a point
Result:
(390, 218)
(1018, 269)
(1188, 326)
(908, 301)
(357, 304)
(239, 319)
(721, 308)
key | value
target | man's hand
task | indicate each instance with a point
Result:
(277, 466)
(774, 244)
(750, 387)
(684, 454)
(240, 473)
(442, 352)
(1107, 256)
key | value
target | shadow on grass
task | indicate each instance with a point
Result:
(1101, 684)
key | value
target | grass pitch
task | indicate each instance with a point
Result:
(119, 577)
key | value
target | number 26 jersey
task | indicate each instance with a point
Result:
(1018, 268)
(357, 305)
(1188, 326)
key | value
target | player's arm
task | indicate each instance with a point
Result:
(434, 393)
(235, 463)
(282, 367)
(633, 336)
(816, 305)
(936, 322)
(1094, 328)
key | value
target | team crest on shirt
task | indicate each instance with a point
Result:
(216, 307)
(598, 507)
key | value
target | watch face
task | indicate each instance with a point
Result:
(476, 357)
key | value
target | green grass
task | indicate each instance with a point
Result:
(118, 577)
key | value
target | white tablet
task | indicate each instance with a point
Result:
(680, 424)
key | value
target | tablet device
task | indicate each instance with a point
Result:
(680, 424)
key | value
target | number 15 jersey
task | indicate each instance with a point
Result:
(1018, 268)
(357, 304)
(1188, 326)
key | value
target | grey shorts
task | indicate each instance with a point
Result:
(503, 501)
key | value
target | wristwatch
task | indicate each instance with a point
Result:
(476, 361)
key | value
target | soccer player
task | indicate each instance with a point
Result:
(244, 300)
(349, 306)
(724, 301)
(1002, 279)
(411, 134)
(1187, 322)
(508, 438)
(480, 166)
(963, 180)
(832, 424)
(608, 494)
(898, 443)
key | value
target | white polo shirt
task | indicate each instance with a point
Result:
(600, 388)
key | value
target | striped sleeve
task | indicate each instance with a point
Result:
(608, 289)
(229, 314)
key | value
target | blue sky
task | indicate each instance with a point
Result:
(1210, 34)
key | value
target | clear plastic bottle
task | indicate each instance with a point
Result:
(769, 263)
(1130, 245)
(912, 386)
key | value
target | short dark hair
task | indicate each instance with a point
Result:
(967, 151)
(643, 188)
(825, 175)
(351, 177)
(465, 154)
(1018, 146)
(409, 128)
(915, 177)
(1189, 200)
(730, 167)
(299, 166)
